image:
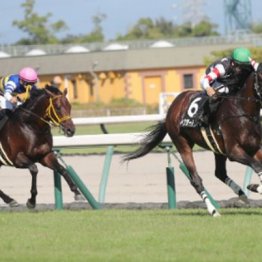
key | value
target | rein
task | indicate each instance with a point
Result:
(252, 99)
(35, 115)
(255, 98)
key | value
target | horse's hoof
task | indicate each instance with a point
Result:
(30, 205)
(79, 198)
(216, 214)
(255, 188)
(13, 203)
(244, 199)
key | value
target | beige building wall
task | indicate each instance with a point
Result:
(143, 86)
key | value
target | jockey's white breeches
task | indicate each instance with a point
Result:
(5, 104)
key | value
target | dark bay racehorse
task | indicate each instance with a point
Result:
(26, 137)
(236, 130)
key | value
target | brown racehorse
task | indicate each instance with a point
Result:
(235, 127)
(26, 137)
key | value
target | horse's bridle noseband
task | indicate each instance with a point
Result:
(52, 114)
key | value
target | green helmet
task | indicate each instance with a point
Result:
(241, 55)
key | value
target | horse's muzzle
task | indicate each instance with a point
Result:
(69, 130)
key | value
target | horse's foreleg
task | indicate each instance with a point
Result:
(51, 161)
(31, 202)
(221, 174)
(195, 179)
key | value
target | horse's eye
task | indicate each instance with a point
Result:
(58, 109)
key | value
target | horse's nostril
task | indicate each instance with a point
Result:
(70, 132)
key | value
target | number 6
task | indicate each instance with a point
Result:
(192, 110)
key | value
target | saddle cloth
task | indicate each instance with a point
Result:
(194, 111)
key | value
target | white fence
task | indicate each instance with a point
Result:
(117, 119)
(106, 139)
(109, 140)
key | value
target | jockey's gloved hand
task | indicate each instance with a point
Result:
(210, 91)
(14, 100)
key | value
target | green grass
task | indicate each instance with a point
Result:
(131, 235)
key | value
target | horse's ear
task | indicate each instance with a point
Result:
(65, 91)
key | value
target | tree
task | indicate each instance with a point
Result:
(140, 30)
(204, 28)
(256, 28)
(184, 30)
(146, 28)
(96, 35)
(38, 28)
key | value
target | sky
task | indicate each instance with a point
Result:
(121, 14)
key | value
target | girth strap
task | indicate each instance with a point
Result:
(210, 139)
(4, 158)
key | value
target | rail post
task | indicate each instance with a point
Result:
(105, 174)
(247, 179)
(58, 191)
(171, 191)
(76, 179)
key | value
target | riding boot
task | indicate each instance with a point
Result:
(213, 106)
(204, 119)
(203, 112)
(3, 117)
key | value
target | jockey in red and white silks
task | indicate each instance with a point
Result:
(228, 74)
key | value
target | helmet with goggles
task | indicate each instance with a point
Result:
(28, 74)
(241, 55)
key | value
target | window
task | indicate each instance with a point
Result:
(188, 81)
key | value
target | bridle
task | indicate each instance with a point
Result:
(50, 113)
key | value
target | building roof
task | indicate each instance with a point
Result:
(131, 59)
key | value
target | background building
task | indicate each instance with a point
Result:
(136, 70)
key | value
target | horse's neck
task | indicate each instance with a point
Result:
(247, 98)
(248, 89)
(35, 109)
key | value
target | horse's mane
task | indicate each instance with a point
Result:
(53, 90)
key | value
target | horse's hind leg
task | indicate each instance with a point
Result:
(31, 202)
(221, 174)
(187, 155)
(8, 200)
(238, 154)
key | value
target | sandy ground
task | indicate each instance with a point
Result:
(141, 181)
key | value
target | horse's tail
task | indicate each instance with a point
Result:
(149, 142)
